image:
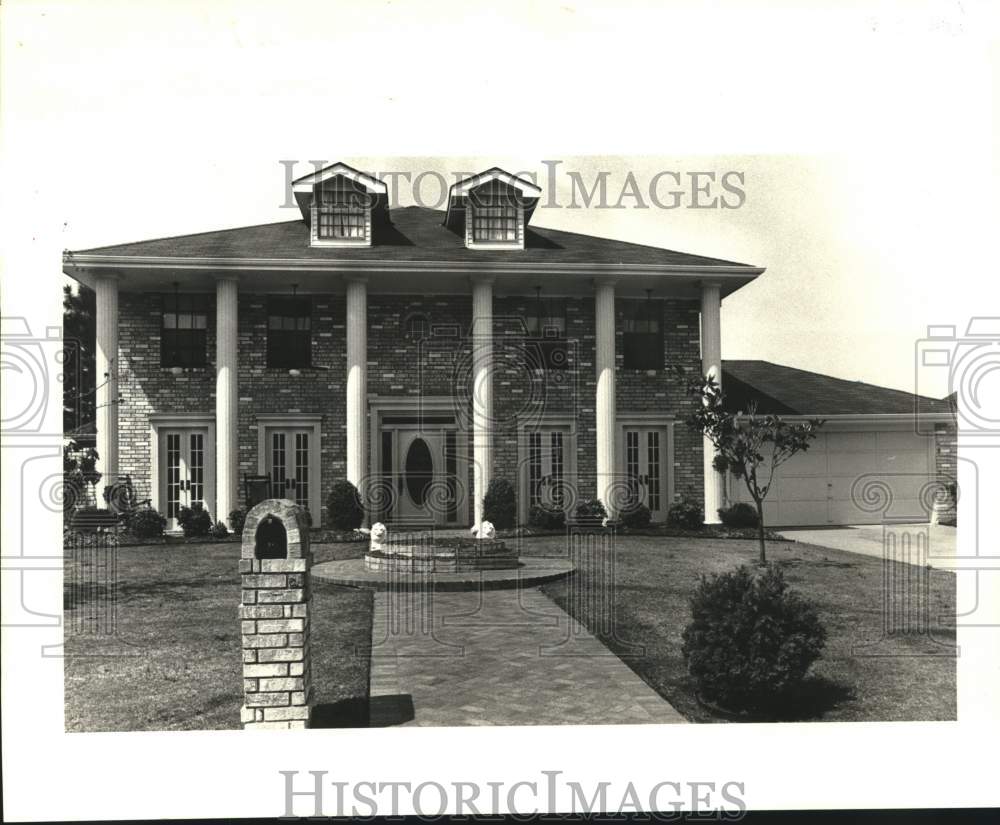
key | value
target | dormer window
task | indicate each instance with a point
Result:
(342, 206)
(496, 216)
(342, 212)
(492, 209)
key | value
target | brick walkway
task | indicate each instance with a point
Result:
(497, 657)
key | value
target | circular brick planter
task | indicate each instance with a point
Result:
(529, 572)
(442, 555)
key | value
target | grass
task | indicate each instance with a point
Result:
(175, 662)
(655, 577)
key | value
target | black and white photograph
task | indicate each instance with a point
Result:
(622, 381)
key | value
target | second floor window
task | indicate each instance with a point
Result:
(341, 211)
(642, 336)
(494, 224)
(289, 333)
(495, 214)
(546, 328)
(184, 330)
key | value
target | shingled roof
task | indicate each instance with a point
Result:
(416, 234)
(782, 390)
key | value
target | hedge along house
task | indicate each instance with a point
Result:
(415, 352)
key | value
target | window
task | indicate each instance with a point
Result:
(546, 345)
(289, 333)
(183, 330)
(642, 339)
(495, 214)
(418, 327)
(341, 211)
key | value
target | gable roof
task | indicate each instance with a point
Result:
(307, 182)
(782, 390)
(415, 234)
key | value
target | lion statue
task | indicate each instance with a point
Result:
(487, 531)
(379, 536)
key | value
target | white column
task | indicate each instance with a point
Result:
(227, 448)
(604, 360)
(711, 365)
(357, 378)
(482, 391)
(107, 379)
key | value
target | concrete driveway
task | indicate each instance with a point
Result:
(869, 540)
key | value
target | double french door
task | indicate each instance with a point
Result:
(645, 465)
(187, 472)
(288, 464)
(546, 469)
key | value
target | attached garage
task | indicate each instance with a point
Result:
(869, 462)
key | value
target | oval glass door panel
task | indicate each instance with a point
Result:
(418, 470)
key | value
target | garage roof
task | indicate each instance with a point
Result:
(782, 390)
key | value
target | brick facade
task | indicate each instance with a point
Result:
(400, 366)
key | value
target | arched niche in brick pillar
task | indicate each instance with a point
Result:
(262, 531)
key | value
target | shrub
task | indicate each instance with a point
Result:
(146, 523)
(590, 510)
(751, 639)
(500, 504)
(740, 514)
(546, 518)
(344, 506)
(636, 515)
(218, 530)
(237, 518)
(194, 520)
(686, 513)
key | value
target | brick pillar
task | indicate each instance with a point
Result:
(274, 618)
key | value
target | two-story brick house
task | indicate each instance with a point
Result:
(416, 352)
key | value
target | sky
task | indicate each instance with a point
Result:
(864, 142)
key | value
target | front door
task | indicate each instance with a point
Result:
(187, 469)
(287, 464)
(421, 469)
(645, 468)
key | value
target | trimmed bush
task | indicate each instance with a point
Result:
(636, 516)
(751, 639)
(343, 505)
(740, 514)
(500, 504)
(546, 518)
(237, 518)
(146, 523)
(218, 530)
(686, 513)
(194, 520)
(590, 510)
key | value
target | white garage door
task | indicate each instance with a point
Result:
(815, 487)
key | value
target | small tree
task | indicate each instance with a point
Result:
(743, 440)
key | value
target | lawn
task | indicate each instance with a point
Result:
(655, 577)
(175, 662)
